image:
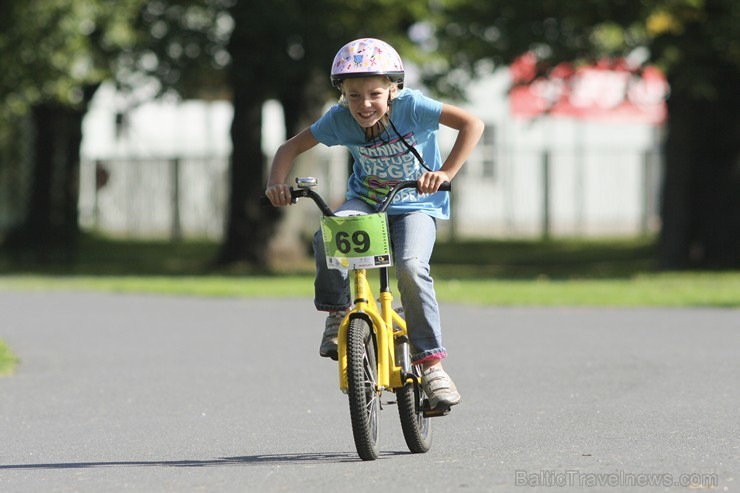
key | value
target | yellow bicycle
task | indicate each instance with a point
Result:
(373, 342)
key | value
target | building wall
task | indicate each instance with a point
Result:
(528, 178)
(554, 176)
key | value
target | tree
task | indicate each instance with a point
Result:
(697, 45)
(56, 54)
(68, 48)
(181, 44)
(282, 49)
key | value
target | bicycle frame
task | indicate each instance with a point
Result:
(381, 314)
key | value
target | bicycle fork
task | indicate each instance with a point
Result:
(381, 317)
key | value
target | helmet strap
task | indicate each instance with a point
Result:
(411, 148)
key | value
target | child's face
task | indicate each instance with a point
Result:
(367, 98)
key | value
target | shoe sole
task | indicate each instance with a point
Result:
(330, 354)
(435, 412)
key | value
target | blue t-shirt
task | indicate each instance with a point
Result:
(380, 163)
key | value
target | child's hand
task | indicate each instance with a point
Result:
(430, 182)
(278, 194)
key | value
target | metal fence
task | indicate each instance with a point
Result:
(155, 198)
(518, 194)
(560, 193)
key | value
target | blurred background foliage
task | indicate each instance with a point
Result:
(56, 53)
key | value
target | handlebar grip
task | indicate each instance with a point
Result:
(294, 194)
(264, 201)
(445, 187)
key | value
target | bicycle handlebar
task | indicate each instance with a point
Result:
(444, 187)
(326, 210)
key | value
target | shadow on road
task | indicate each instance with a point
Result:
(308, 458)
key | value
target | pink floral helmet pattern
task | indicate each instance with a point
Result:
(364, 58)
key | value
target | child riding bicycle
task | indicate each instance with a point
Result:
(391, 133)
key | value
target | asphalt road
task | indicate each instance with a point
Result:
(125, 393)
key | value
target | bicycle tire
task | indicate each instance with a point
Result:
(362, 378)
(417, 429)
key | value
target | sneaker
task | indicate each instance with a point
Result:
(439, 388)
(328, 348)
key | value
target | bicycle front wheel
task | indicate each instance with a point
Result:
(362, 388)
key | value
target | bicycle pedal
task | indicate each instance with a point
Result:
(436, 412)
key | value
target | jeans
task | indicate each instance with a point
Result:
(412, 235)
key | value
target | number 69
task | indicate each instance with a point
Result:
(359, 242)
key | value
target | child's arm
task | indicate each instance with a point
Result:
(469, 130)
(277, 190)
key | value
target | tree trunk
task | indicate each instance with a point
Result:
(303, 101)
(50, 228)
(677, 218)
(249, 226)
(701, 194)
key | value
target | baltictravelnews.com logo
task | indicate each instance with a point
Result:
(570, 478)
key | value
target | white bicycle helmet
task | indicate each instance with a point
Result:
(367, 57)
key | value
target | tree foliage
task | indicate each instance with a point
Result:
(52, 49)
(55, 53)
(695, 42)
(182, 45)
(678, 34)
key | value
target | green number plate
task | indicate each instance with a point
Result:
(356, 242)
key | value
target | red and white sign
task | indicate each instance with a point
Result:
(605, 91)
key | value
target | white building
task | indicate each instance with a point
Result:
(543, 176)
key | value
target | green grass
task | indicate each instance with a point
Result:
(212, 285)
(679, 289)
(8, 360)
(575, 273)
(572, 273)
(668, 290)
